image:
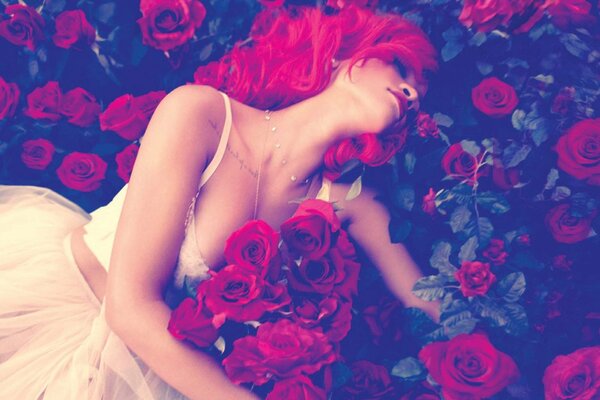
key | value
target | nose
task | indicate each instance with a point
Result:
(412, 97)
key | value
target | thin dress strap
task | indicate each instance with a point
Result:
(216, 160)
(214, 163)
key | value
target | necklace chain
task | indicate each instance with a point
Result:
(293, 178)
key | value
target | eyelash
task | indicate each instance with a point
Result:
(401, 68)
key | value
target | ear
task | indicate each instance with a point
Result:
(335, 63)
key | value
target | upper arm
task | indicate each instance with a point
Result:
(163, 182)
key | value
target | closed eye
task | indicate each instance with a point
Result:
(400, 67)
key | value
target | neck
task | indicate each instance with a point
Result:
(306, 130)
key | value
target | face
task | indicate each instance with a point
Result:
(386, 92)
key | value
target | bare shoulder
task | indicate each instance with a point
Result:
(197, 106)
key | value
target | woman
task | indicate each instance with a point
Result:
(71, 330)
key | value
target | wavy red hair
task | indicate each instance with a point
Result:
(288, 59)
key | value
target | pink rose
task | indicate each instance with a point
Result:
(9, 98)
(37, 153)
(80, 107)
(73, 30)
(25, 27)
(44, 102)
(125, 160)
(494, 97)
(475, 278)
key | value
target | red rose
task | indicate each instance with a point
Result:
(565, 14)
(461, 165)
(339, 4)
(80, 107)
(504, 178)
(475, 278)
(369, 381)
(384, 320)
(73, 30)
(146, 104)
(579, 151)
(37, 153)
(494, 97)
(125, 160)
(271, 3)
(166, 25)
(192, 321)
(25, 27)
(564, 103)
(122, 117)
(240, 294)
(485, 16)
(495, 252)
(282, 349)
(574, 376)
(426, 126)
(297, 388)
(312, 230)
(428, 204)
(82, 171)
(253, 246)
(44, 102)
(333, 272)
(331, 313)
(568, 228)
(9, 98)
(468, 367)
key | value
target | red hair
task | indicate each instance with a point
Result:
(288, 59)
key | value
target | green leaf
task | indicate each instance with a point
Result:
(574, 45)
(409, 368)
(471, 147)
(460, 323)
(512, 286)
(104, 12)
(355, 188)
(451, 49)
(486, 229)
(429, 288)
(490, 310)
(189, 286)
(467, 250)
(459, 218)
(494, 202)
(514, 154)
(539, 135)
(443, 120)
(526, 260)
(551, 179)
(478, 39)
(518, 120)
(409, 162)
(518, 323)
(440, 259)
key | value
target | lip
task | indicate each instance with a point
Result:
(402, 103)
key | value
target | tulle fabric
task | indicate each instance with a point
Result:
(54, 340)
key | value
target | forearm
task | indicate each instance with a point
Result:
(144, 330)
(401, 280)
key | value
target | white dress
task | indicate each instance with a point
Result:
(54, 339)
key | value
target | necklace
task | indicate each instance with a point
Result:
(272, 130)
